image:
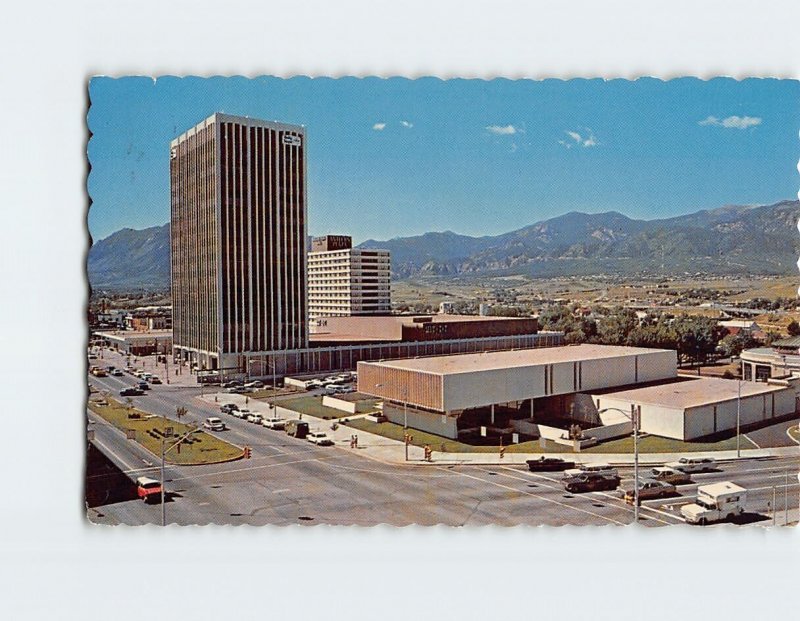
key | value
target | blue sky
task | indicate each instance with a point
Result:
(396, 157)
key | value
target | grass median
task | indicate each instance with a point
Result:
(199, 448)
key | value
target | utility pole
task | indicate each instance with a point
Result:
(738, 419)
(635, 412)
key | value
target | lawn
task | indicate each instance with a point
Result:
(647, 444)
(200, 448)
(313, 407)
(421, 438)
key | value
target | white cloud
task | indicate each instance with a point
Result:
(585, 140)
(378, 126)
(732, 122)
(406, 124)
(502, 130)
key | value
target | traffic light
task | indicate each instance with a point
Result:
(247, 452)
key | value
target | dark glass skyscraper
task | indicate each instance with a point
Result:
(238, 231)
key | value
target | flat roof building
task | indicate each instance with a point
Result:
(344, 281)
(238, 234)
(403, 328)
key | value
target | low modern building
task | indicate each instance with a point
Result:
(551, 392)
(455, 396)
(345, 281)
(140, 343)
(412, 328)
(781, 359)
(692, 408)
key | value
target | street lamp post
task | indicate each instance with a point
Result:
(405, 415)
(164, 451)
(634, 416)
(738, 418)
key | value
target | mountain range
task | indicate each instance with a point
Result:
(734, 239)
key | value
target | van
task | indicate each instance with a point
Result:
(148, 489)
(296, 428)
(604, 469)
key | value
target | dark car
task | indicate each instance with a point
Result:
(131, 391)
(591, 482)
(549, 464)
(227, 408)
(144, 386)
(296, 428)
(231, 384)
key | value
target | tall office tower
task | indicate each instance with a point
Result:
(345, 281)
(238, 232)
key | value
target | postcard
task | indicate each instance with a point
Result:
(363, 301)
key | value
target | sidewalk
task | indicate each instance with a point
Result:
(393, 451)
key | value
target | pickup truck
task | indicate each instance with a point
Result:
(715, 502)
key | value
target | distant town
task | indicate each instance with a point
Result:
(283, 368)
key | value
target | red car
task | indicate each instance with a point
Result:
(148, 489)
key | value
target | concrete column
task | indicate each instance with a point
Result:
(531, 407)
(492, 414)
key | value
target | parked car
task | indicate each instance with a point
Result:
(648, 489)
(296, 428)
(319, 438)
(273, 423)
(117, 373)
(144, 386)
(255, 418)
(243, 413)
(214, 424)
(231, 384)
(591, 482)
(670, 475)
(234, 390)
(131, 391)
(693, 464)
(228, 408)
(254, 384)
(549, 464)
(155, 379)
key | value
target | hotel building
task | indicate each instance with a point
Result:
(344, 281)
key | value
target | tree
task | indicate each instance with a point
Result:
(793, 328)
(697, 337)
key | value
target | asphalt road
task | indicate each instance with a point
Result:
(290, 481)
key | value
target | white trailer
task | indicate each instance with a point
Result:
(715, 502)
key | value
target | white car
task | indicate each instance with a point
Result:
(243, 413)
(254, 384)
(274, 423)
(319, 438)
(693, 464)
(255, 418)
(214, 424)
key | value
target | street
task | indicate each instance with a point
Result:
(291, 481)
